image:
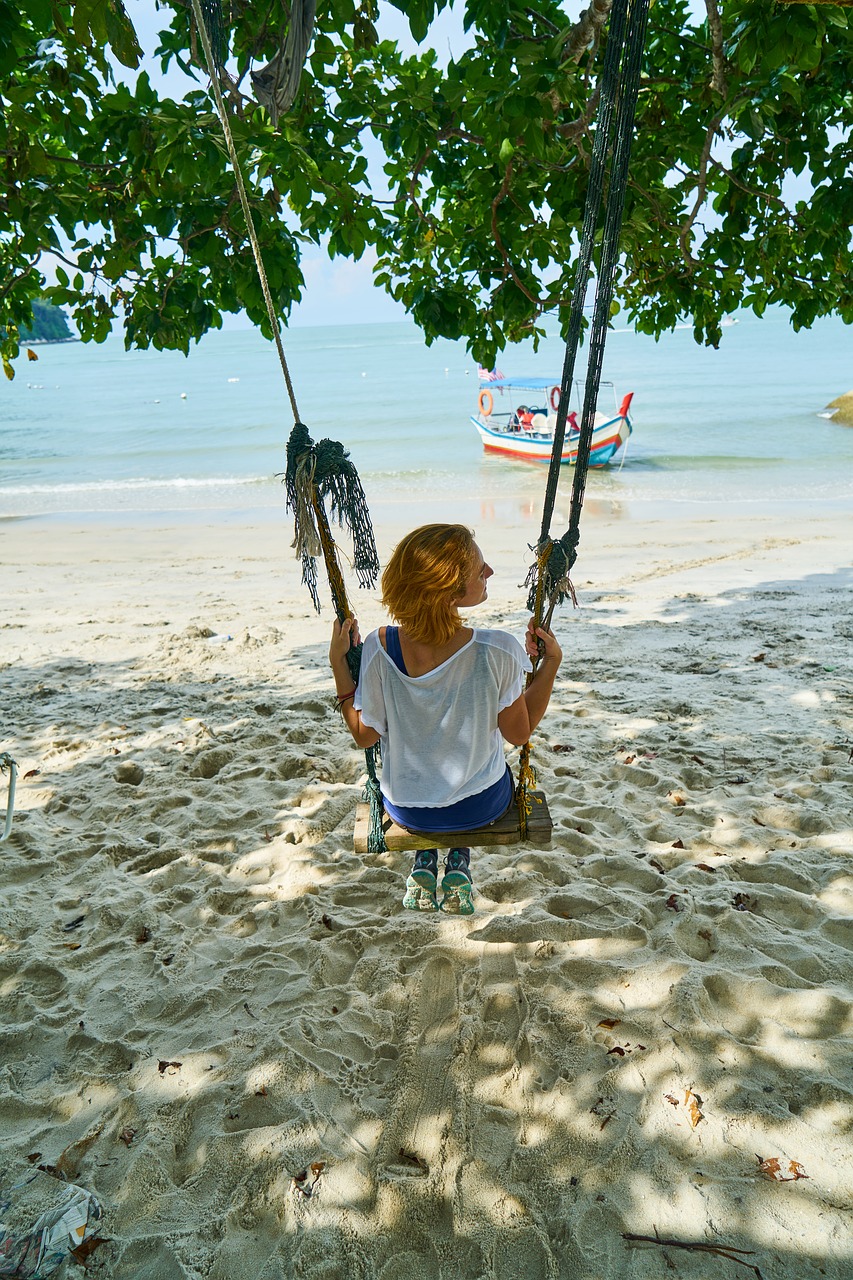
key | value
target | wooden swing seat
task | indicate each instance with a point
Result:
(504, 831)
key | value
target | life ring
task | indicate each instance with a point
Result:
(555, 398)
(485, 402)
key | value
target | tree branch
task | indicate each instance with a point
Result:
(412, 197)
(719, 80)
(754, 191)
(453, 132)
(81, 164)
(62, 258)
(586, 30)
(581, 125)
(727, 1251)
(701, 191)
(509, 269)
(541, 304)
(15, 279)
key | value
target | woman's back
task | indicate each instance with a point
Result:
(439, 729)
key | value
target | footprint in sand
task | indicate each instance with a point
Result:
(423, 1105)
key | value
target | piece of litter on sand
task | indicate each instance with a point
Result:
(42, 1221)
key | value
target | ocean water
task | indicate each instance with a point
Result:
(97, 431)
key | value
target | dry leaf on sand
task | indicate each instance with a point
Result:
(773, 1169)
(693, 1103)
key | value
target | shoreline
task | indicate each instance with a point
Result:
(615, 536)
(396, 507)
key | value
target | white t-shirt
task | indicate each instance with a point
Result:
(439, 731)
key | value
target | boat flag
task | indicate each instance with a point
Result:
(489, 375)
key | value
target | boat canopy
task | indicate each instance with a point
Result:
(528, 384)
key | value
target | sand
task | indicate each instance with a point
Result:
(205, 993)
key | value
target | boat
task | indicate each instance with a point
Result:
(517, 417)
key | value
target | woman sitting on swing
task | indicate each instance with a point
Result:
(441, 696)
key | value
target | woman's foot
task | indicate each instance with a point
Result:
(456, 883)
(421, 884)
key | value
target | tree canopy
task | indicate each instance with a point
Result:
(740, 189)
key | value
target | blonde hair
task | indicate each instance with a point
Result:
(426, 575)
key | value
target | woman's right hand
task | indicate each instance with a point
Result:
(344, 635)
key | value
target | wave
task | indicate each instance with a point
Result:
(110, 486)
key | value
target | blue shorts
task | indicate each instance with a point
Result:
(466, 815)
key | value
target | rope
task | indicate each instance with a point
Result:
(624, 132)
(316, 473)
(549, 576)
(614, 133)
(6, 762)
(592, 209)
(526, 773)
(241, 188)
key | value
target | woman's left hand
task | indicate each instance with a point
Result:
(544, 636)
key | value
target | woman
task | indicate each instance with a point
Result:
(441, 697)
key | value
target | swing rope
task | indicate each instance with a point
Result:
(549, 578)
(314, 472)
(209, 27)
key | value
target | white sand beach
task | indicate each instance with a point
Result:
(644, 1030)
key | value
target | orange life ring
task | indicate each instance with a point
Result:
(485, 402)
(555, 398)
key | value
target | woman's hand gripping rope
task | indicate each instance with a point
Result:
(345, 635)
(546, 655)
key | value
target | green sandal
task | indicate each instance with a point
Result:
(422, 882)
(456, 884)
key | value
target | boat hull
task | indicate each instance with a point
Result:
(608, 437)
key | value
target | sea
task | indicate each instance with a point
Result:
(99, 433)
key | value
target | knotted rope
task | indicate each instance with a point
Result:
(317, 473)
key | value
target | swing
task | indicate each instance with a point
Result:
(504, 830)
(322, 472)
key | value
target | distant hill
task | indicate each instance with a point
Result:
(49, 325)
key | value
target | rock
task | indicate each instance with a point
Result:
(843, 407)
(129, 773)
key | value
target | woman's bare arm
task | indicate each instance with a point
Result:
(518, 721)
(345, 634)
